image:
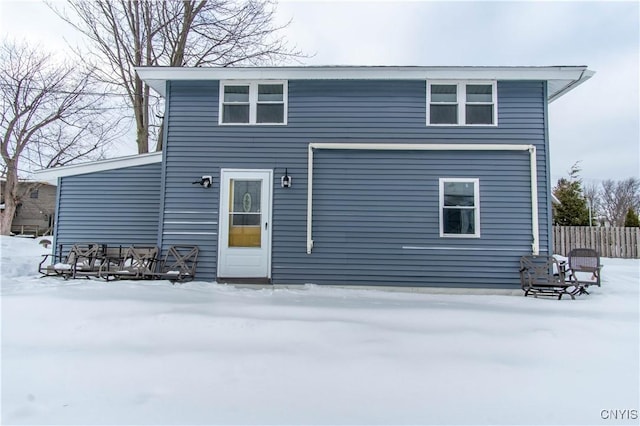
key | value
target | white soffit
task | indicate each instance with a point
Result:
(98, 166)
(560, 79)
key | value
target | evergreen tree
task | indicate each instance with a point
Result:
(632, 220)
(572, 210)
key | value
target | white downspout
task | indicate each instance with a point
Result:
(535, 245)
(309, 198)
(426, 147)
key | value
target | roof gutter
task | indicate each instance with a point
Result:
(98, 166)
(566, 77)
(584, 76)
(535, 244)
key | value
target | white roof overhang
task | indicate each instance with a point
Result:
(98, 166)
(560, 79)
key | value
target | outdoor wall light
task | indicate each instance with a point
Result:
(204, 181)
(286, 181)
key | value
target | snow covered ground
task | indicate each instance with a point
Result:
(88, 352)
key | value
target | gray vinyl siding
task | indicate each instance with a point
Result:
(375, 213)
(115, 207)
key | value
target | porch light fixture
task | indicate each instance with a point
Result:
(286, 181)
(204, 181)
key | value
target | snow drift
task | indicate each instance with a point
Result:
(89, 352)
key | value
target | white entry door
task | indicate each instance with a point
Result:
(244, 247)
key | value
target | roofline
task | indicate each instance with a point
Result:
(99, 166)
(586, 75)
(565, 77)
(30, 181)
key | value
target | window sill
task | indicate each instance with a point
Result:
(251, 124)
(458, 236)
(461, 125)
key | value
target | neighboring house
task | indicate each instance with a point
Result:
(398, 176)
(35, 212)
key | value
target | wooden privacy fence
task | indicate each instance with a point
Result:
(609, 242)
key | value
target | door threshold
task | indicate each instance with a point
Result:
(262, 281)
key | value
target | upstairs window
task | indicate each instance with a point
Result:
(443, 104)
(452, 103)
(270, 107)
(235, 106)
(479, 104)
(253, 102)
(459, 207)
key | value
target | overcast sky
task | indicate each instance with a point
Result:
(597, 123)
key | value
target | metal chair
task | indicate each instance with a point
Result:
(79, 261)
(543, 276)
(179, 264)
(584, 267)
(138, 262)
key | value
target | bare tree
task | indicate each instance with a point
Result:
(130, 33)
(591, 193)
(50, 116)
(618, 197)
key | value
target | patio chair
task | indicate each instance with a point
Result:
(137, 262)
(179, 264)
(79, 261)
(46, 265)
(111, 257)
(543, 276)
(584, 267)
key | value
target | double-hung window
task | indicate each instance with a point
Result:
(479, 104)
(459, 207)
(443, 104)
(455, 103)
(254, 102)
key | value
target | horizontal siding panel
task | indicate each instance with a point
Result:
(116, 207)
(368, 206)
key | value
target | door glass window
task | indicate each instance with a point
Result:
(245, 217)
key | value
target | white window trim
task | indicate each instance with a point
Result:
(253, 101)
(462, 101)
(476, 207)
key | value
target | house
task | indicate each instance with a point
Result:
(387, 176)
(35, 212)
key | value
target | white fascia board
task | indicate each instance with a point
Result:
(557, 88)
(98, 166)
(156, 77)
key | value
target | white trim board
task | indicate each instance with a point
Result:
(99, 166)
(561, 79)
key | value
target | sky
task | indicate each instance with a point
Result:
(596, 124)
